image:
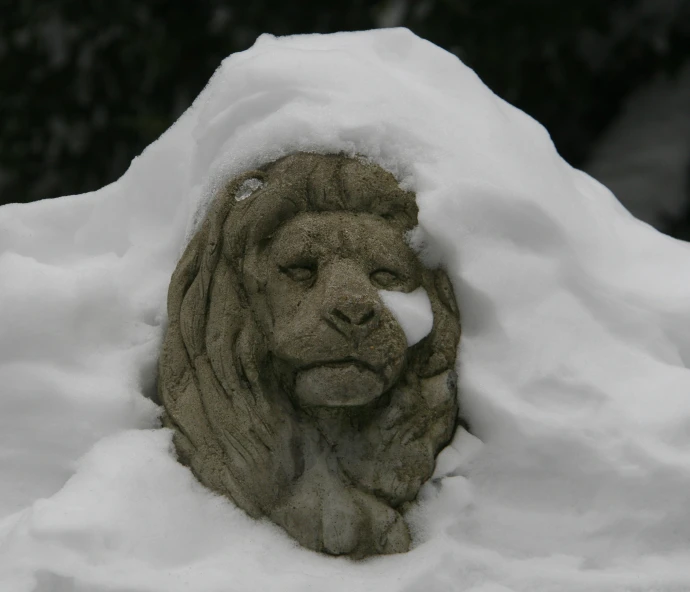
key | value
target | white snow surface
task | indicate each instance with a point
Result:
(412, 310)
(573, 364)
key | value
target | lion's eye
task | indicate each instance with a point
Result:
(299, 274)
(385, 279)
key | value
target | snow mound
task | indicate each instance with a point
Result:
(573, 364)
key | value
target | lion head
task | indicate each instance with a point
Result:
(290, 386)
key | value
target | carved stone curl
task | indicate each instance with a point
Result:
(290, 387)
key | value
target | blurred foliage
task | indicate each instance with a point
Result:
(86, 85)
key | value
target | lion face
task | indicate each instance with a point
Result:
(334, 343)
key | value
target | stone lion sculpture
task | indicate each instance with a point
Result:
(289, 385)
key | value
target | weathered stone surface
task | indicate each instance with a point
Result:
(289, 385)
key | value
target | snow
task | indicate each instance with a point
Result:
(247, 188)
(573, 363)
(412, 310)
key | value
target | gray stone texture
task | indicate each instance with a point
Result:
(288, 384)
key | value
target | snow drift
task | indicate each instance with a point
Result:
(573, 362)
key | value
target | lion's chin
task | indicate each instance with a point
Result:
(347, 385)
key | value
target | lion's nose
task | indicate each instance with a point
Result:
(354, 317)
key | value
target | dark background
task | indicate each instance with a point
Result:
(86, 85)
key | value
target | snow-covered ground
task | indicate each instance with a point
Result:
(573, 361)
